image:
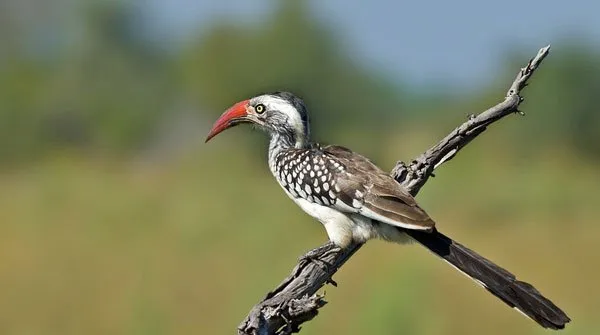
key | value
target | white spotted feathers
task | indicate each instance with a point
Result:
(308, 174)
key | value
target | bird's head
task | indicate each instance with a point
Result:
(281, 114)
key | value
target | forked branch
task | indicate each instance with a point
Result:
(295, 300)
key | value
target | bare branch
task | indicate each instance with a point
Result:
(295, 300)
(415, 175)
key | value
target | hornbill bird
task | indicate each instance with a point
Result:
(356, 200)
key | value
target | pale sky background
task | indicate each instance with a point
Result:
(459, 42)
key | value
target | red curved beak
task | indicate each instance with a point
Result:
(235, 115)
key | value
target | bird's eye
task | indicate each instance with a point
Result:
(260, 108)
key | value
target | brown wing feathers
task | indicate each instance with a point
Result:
(377, 195)
(399, 211)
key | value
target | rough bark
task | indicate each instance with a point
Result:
(295, 300)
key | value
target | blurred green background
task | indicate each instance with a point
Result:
(115, 218)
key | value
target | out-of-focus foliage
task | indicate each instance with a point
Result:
(568, 98)
(114, 221)
(105, 92)
(111, 89)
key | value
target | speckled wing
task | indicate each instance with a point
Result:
(364, 188)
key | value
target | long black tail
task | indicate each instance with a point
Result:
(501, 283)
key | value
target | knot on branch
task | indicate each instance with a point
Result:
(281, 318)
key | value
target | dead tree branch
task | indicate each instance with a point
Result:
(295, 300)
(414, 176)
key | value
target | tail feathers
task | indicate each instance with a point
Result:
(501, 283)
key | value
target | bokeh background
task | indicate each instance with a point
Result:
(115, 218)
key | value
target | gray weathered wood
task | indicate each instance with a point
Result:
(414, 175)
(295, 300)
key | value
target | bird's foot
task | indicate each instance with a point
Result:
(316, 256)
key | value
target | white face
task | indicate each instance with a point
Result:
(279, 113)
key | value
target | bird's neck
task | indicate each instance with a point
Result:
(287, 140)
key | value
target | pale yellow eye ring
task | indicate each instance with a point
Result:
(260, 108)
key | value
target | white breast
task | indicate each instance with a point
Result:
(339, 226)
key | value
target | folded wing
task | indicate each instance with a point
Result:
(366, 189)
